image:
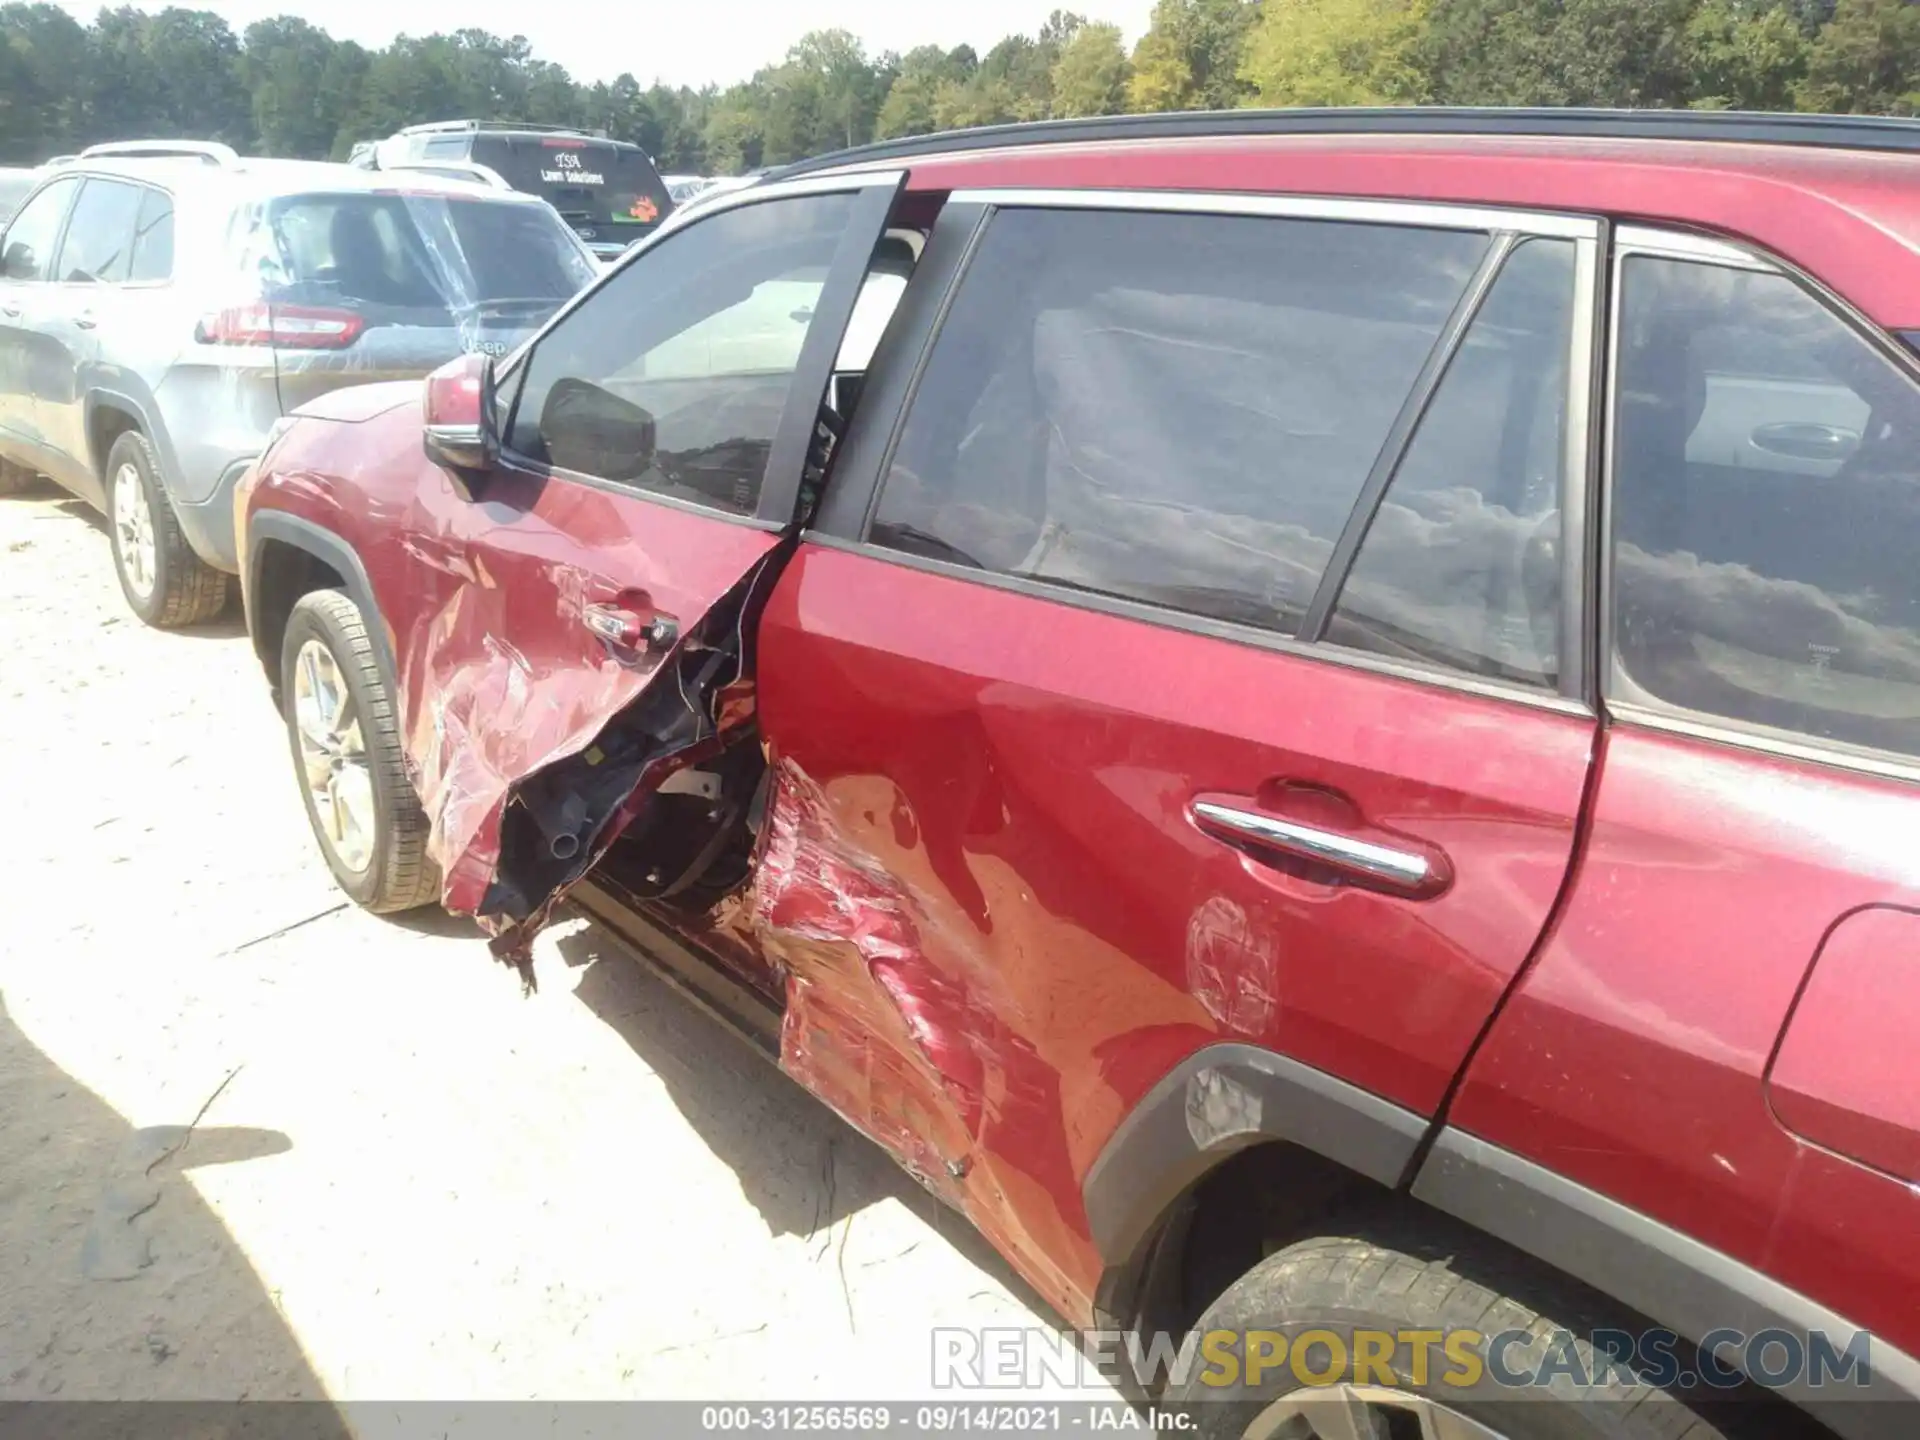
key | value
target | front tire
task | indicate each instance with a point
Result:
(165, 583)
(1395, 1276)
(346, 751)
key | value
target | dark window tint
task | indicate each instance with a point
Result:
(674, 375)
(424, 253)
(1766, 510)
(1177, 409)
(1461, 564)
(594, 183)
(98, 248)
(28, 248)
(153, 239)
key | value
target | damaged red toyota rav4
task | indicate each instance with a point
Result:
(1313, 718)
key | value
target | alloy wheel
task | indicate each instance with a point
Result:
(1363, 1412)
(333, 757)
(133, 531)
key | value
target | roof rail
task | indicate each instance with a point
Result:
(454, 170)
(209, 152)
(442, 127)
(1838, 132)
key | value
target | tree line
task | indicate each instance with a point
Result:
(286, 87)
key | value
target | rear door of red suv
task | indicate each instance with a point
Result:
(1185, 687)
(653, 444)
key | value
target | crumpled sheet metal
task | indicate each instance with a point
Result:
(489, 717)
(894, 1025)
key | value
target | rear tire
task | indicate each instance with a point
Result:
(1394, 1273)
(345, 738)
(165, 583)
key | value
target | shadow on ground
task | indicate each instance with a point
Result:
(121, 1283)
(800, 1166)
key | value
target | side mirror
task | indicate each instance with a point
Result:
(459, 430)
(19, 264)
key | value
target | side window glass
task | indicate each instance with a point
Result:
(1174, 409)
(1765, 510)
(27, 251)
(99, 244)
(153, 240)
(673, 377)
(1461, 566)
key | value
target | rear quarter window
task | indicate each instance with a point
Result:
(1765, 510)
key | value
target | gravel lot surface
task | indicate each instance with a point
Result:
(402, 1179)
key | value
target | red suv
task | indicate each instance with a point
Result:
(1311, 717)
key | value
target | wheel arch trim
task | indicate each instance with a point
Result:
(1219, 1101)
(1661, 1273)
(329, 548)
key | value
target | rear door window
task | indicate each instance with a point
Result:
(98, 248)
(1765, 510)
(1461, 564)
(1173, 409)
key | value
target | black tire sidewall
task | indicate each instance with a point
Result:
(1227, 1412)
(308, 622)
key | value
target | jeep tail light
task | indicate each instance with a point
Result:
(297, 327)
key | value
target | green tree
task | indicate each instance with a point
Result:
(43, 73)
(284, 65)
(1745, 54)
(1559, 52)
(1090, 77)
(1866, 59)
(735, 131)
(912, 101)
(1190, 57)
(1336, 52)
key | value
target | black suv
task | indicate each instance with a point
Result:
(607, 190)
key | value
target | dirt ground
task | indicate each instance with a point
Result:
(254, 1143)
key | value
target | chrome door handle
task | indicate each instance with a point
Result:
(1402, 870)
(11, 311)
(625, 629)
(85, 321)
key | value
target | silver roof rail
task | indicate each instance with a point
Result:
(509, 127)
(454, 170)
(209, 152)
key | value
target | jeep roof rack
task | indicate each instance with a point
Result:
(445, 127)
(1838, 132)
(208, 152)
(454, 170)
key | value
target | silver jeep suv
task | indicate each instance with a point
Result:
(164, 304)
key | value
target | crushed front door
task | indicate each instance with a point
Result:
(587, 629)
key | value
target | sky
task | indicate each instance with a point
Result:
(683, 42)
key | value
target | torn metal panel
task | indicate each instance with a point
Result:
(530, 767)
(896, 1025)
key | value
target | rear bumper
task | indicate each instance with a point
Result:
(208, 524)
